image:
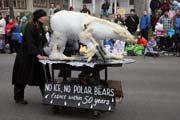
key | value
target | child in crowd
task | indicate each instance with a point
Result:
(142, 41)
(152, 44)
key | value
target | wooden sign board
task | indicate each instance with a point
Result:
(121, 11)
(88, 97)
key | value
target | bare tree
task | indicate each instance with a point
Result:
(141, 5)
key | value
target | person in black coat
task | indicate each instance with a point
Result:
(27, 68)
(132, 22)
(155, 5)
(105, 8)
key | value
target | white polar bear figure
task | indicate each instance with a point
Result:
(89, 30)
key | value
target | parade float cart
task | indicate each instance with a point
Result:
(90, 92)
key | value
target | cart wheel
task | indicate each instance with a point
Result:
(55, 109)
(97, 114)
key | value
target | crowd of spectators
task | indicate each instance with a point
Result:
(164, 12)
(167, 14)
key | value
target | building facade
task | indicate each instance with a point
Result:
(30, 5)
(93, 5)
(141, 7)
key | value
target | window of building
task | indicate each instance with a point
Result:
(40, 3)
(0, 4)
(55, 2)
(5, 3)
(65, 4)
(131, 2)
(87, 1)
(19, 4)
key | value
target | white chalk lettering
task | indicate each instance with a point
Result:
(103, 91)
(97, 91)
(48, 87)
(81, 90)
(57, 96)
(101, 101)
(67, 88)
(87, 100)
(57, 87)
(112, 93)
(75, 97)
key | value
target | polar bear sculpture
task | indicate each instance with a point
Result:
(89, 30)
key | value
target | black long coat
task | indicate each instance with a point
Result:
(132, 23)
(27, 69)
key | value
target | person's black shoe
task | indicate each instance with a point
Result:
(24, 102)
(177, 54)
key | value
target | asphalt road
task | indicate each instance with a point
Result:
(151, 89)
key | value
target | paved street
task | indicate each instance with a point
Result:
(151, 89)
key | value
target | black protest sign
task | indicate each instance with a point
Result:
(89, 97)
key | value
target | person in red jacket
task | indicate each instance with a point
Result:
(8, 29)
(142, 41)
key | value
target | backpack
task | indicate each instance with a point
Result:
(177, 22)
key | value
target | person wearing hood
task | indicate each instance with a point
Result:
(27, 69)
(155, 5)
(23, 23)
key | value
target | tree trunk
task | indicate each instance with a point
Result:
(11, 9)
(140, 6)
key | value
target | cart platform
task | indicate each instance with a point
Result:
(101, 95)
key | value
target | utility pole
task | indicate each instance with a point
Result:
(11, 9)
(115, 7)
(93, 6)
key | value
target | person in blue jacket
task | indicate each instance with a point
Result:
(16, 35)
(145, 24)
